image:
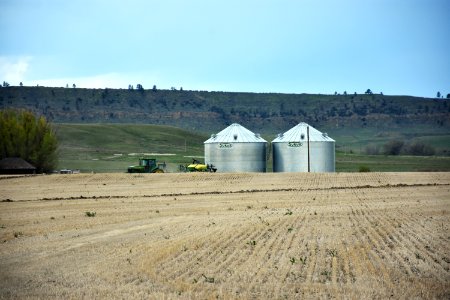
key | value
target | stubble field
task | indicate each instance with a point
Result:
(226, 236)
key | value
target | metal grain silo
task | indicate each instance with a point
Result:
(303, 149)
(236, 149)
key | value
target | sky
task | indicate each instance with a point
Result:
(398, 47)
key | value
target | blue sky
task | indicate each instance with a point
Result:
(398, 47)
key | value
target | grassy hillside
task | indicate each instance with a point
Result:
(113, 147)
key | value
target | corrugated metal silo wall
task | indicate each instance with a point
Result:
(322, 156)
(290, 157)
(236, 157)
(293, 157)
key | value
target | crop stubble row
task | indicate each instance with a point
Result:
(341, 235)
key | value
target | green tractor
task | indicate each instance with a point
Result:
(147, 165)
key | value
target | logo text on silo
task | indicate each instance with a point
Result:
(295, 144)
(225, 145)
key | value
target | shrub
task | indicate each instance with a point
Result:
(90, 213)
(419, 148)
(364, 169)
(396, 147)
(30, 138)
(393, 147)
(372, 149)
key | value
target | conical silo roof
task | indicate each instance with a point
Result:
(298, 133)
(235, 133)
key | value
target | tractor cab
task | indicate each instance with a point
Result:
(147, 163)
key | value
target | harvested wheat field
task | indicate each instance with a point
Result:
(226, 236)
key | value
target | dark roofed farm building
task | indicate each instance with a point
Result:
(16, 165)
